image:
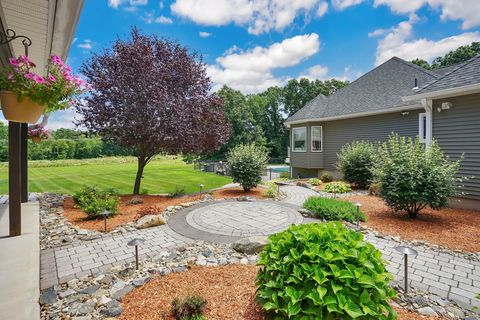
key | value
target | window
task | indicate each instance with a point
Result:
(422, 127)
(316, 133)
(299, 139)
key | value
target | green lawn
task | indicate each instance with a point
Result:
(67, 176)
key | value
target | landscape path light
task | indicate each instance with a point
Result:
(358, 205)
(136, 242)
(201, 187)
(105, 215)
(406, 252)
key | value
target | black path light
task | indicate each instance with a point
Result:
(105, 215)
(136, 242)
(201, 187)
(358, 205)
(406, 252)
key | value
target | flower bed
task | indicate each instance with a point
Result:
(455, 229)
(154, 204)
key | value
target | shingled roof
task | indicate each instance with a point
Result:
(379, 89)
(464, 74)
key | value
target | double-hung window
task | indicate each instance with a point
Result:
(422, 127)
(299, 139)
(316, 138)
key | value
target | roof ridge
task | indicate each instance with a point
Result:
(413, 65)
(457, 67)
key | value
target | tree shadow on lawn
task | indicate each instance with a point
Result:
(456, 229)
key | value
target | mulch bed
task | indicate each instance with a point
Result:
(456, 229)
(151, 204)
(229, 291)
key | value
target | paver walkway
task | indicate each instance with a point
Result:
(444, 274)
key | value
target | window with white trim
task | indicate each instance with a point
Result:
(299, 139)
(422, 127)
(317, 136)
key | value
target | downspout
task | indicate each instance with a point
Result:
(427, 105)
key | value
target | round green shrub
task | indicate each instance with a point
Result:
(355, 162)
(337, 187)
(314, 181)
(326, 177)
(247, 163)
(93, 201)
(323, 271)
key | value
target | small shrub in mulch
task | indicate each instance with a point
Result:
(326, 177)
(190, 308)
(324, 270)
(93, 201)
(332, 209)
(337, 187)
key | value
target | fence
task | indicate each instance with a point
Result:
(217, 167)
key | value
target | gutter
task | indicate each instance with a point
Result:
(445, 93)
(417, 105)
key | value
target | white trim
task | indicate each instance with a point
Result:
(292, 149)
(445, 93)
(357, 115)
(427, 105)
(321, 139)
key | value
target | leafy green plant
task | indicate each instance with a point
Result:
(284, 175)
(271, 191)
(178, 191)
(314, 181)
(326, 177)
(332, 209)
(337, 187)
(374, 189)
(355, 162)
(94, 201)
(323, 271)
(413, 177)
(247, 163)
(190, 308)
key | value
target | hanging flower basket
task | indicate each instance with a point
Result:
(20, 109)
(25, 95)
(38, 133)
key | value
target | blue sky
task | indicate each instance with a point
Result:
(253, 44)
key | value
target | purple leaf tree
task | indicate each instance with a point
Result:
(152, 95)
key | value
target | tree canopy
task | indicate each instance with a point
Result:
(152, 95)
(461, 54)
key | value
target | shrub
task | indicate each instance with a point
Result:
(179, 191)
(314, 181)
(94, 201)
(323, 271)
(284, 175)
(337, 187)
(374, 189)
(326, 177)
(247, 163)
(191, 308)
(271, 191)
(332, 209)
(356, 161)
(412, 177)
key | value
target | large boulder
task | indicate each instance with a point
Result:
(151, 220)
(251, 245)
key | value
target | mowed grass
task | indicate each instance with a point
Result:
(161, 175)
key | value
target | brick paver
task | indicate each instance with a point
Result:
(297, 195)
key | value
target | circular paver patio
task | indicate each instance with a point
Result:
(227, 221)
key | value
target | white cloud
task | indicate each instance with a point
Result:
(204, 34)
(343, 4)
(465, 10)
(251, 71)
(322, 9)
(116, 3)
(259, 16)
(163, 20)
(378, 32)
(398, 42)
(138, 2)
(318, 71)
(86, 44)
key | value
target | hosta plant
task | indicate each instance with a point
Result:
(55, 91)
(323, 271)
(314, 181)
(337, 187)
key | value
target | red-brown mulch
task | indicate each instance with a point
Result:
(229, 291)
(130, 212)
(456, 229)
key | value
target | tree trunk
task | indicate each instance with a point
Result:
(138, 178)
(413, 211)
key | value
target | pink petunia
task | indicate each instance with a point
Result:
(51, 78)
(14, 62)
(30, 75)
(10, 77)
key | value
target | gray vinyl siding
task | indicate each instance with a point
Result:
(339, 132)
(306, 159)
(372, 128)
(457, 131)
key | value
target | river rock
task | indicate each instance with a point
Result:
(251, 245)
(148, 221)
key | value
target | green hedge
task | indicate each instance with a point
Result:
(60, 149)
(332, 209)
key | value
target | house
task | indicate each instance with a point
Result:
(401, 97)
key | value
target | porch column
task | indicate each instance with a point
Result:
(24, 161)
(14, 178)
